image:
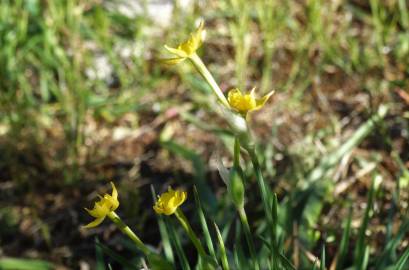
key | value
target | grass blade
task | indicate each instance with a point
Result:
(203, 223)
(285, 262)
(322, 264)
(223, 255)
(24, 264)
(360, 245)
(100, 264)
(178, 246)
(402, 260)
(274, 232)
(343, 247)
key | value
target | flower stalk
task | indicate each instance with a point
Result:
(202, 69)
(128, 232)
(186, 226)
(236, 189)
(248, 236)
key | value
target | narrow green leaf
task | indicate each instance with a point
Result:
(24, 264)
(286, 263)
(388, 255)
(178, 246)
(365, 259)
(401, 263)
(360, 245)
(223, 255)
(343, 247)
(100, 264)
(236, 257)
(203, 223)
(322, 264)
(276, 251)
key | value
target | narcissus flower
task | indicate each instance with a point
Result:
(247, 102)
(102, 208)
(169, 201)
(186, 49)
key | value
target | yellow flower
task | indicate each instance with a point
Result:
(169, 201)
(247, 102)
(187, 48)
(102, 208)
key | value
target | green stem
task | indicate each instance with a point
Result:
(195, 240)
(242, 211)
(249, 239)
(201, 68)
(126, 230)
(236, 155)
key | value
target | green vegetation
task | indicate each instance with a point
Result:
(321, 183)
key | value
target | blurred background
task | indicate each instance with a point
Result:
(84, 100)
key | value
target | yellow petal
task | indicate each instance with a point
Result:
(239, 102)
(110, 203)
(253, 92)
(178, 52)
(94, 223)
(182, 198)
(188, 47)
(99, 210)
(92, 212)
(233, 92)
(169, 201)
(262, 101)
(157, 209)
(197, 35)
(172, 61)
(114, 191)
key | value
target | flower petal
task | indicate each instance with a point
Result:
(99, 209)
(169, 201)
(114, 192)
(177, 52)
(157, 209)
(262, 101)
(183, 197)
(241, 103)
(252, 92)
(198, 34)
(94, 223)
(172, 61)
